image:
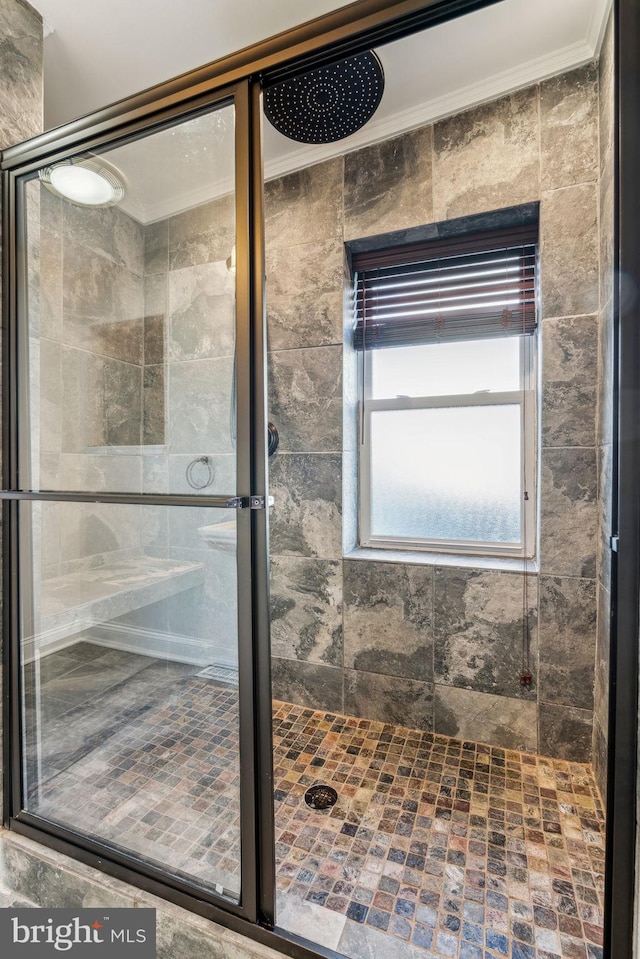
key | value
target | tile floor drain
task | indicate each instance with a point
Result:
(321, 796)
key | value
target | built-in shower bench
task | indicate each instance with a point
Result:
(78, 601)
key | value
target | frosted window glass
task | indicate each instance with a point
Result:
(447, 473)
(446, 369)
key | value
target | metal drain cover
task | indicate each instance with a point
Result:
(321, 796)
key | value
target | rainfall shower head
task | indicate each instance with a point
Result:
(329, 103)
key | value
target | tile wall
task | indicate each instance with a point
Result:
(439, 646)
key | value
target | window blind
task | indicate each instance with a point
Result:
(460, 288)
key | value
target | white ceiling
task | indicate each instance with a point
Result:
(96, 53)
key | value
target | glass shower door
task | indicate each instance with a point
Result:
(133, 516)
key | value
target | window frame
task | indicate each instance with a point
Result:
(526, 398)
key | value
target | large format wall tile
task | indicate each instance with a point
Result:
(567, 640)
(569, 128)
(565, 733)
(478, 630)
(305, 398)
(605, 506)
(569, 515)
(156, 247)
(305, 294)
(199, 406)
(203, 234)
(304, 207)
(107, 231)
(569, 251)
(387, 186)
(487, 158)
(388, 699)
(21, 70)
(388, 618)
(484, 718)
(306, 515)
(307, 684)
(202, 319)
(123, 388)
(306, 610)
(569, 383)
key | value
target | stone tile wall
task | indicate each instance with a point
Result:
(605, 408)
(87, 359)
(438, 646)
(21, 100)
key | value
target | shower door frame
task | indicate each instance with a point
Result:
(248, 500)
(345, 32)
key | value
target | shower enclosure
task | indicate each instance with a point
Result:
(136, 461)
(138, 666)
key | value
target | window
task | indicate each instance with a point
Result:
(446, 331)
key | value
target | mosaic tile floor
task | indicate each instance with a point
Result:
(460, 849)
(435, 848)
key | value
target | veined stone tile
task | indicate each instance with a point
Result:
(569, 127)
(156, 295)
(569, 251)
(199, 405)
(481, 717)
(569, 381)
(600, 759)
(307, 511)
(309, 684)
(388, 699)
(606, 77)
(569, 516)
(156, 247)
(605, 505)
(565, 732)
(51, 278)
(202, 319)
(487, 158)
(83, 422)
(306, 610)
(388, 618)
(153, 414)
(567, 640)
(478, 630)
(387, 186)
(305, 398)
(21, 68)
(153, 340)
(605, 418)
(123, 403)
(202, 235)
(106, 231)
(305, 294)
(305, 206)
(123, 340)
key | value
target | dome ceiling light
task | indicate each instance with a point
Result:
(84, 182)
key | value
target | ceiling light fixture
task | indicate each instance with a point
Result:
(83, 181)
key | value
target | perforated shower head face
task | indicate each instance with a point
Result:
(329, 103)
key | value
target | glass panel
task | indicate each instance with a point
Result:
(130, 673)
(131, 311)
(447, 474)
(446, 369)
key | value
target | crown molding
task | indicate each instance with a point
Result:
(430, 111)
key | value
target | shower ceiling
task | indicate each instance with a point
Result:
(96, 53)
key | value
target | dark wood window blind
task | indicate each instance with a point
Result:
(460, 288)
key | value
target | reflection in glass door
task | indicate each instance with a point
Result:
(133, 465)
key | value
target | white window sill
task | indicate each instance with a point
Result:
(416, 558)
